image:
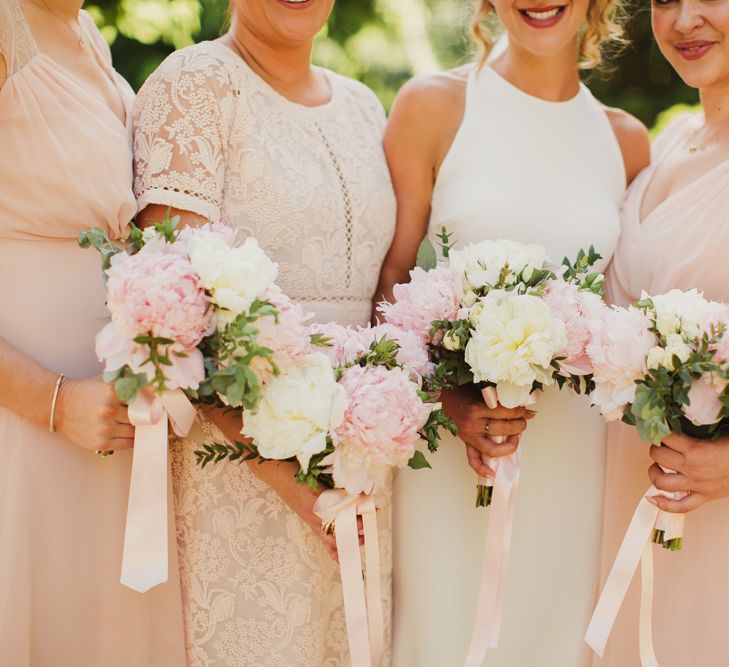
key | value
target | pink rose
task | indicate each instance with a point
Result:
(380, 427)
(619, 345)
(429, 296)
(704, 405)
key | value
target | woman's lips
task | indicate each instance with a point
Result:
(296, 4)
(695, 49)
(543, 17)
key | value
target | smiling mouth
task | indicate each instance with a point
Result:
(543, 17)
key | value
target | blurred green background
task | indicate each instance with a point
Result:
(383, 43)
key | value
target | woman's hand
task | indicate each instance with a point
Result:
(90, 415)
(477, 424)
(701, 470)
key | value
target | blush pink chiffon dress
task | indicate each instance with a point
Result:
(65, 166)
(683, 243)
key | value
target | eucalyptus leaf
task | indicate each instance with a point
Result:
(427, 258)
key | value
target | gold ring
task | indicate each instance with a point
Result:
(328, 528)
(486, 427)
(104, 452)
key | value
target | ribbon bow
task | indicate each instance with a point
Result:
(145, 559)
(365, 625)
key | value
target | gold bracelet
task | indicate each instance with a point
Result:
(52, 424)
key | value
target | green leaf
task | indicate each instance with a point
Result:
(427, 259)
(126, 388)
(418, 462)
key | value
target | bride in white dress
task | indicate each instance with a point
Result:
(517, 148)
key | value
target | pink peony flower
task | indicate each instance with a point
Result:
(429, 296)
(347, 343)
(413, 352)
(620, 341)
(159, 294)
(574, 308)
(704, 405)
(289, 339)
(380, 427)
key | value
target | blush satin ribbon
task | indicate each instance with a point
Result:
(144, 562)
(636, 546)
(365, 624)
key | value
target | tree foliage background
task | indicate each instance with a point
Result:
(383, 43)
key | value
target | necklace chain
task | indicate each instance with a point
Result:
(77, 32)
(696, 146)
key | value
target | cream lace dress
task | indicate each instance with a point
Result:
(311, 184)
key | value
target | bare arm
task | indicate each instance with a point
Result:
(87, 411)
(634, 142)
(424, 119)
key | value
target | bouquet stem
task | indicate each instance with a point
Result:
(674, 544)
(483, 495)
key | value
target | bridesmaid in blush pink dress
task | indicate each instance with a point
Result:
(676, 235)
(65, 166)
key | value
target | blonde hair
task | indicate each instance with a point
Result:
(603, 29)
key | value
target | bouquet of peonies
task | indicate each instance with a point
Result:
(662, 365)
(498, 315)
(350, 409)
(184, 308)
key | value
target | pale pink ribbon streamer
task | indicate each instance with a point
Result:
(365, 620)
(145, 558)
(487, 623)
(636, 546)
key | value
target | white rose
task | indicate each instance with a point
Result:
(451, 341)
(481, 263)
(469, 298)
(656, 357)
(513, 344)
(682, 311)
(676, 346)
(234, 276)
(297, 411)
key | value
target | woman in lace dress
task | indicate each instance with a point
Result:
(515, 147)
(65, 166)
(244, 130)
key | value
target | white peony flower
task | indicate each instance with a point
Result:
(297, 411)
(513, 344)
(234, 276)
(481, 263)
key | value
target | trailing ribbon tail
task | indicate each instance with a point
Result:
(365, 621)
(145, 558)
(487, 624)
(636, 546)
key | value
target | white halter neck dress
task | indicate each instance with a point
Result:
(532, 171)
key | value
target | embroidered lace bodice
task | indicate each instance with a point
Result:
(310, 183)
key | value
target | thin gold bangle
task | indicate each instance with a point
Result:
(52, 424)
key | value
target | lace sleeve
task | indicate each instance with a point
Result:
(182, 119)
(16, 43)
